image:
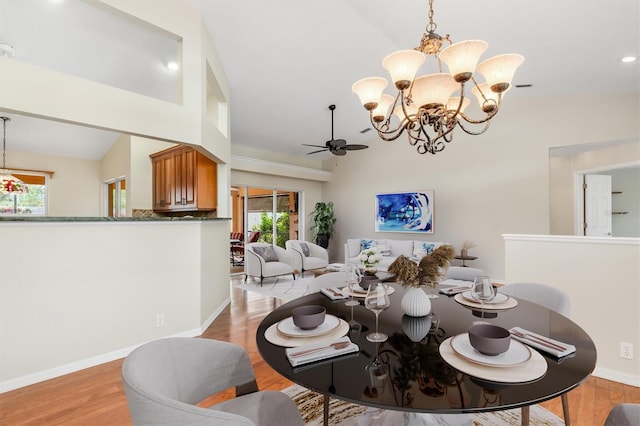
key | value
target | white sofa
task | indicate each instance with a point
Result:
(413, 249)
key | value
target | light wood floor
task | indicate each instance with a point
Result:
(95, 396)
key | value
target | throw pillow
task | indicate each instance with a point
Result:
(267, 253)
(367, 244)
(305, 249)
(423, 249)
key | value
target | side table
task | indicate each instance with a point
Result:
(464, 258)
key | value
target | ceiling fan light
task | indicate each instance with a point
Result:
(369, 90)
(433, 89)
(499, 70)
(402, 66)
(462, 58)
(380, 112)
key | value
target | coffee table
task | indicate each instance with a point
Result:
(443, 390)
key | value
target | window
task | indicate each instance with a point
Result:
(33, 202)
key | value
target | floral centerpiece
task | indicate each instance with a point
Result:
(427, 272)
(370, 257)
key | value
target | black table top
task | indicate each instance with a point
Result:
(419, 379)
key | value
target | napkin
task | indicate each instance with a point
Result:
(536, 344)
(321, 354)
(455, 290)
(336, 294)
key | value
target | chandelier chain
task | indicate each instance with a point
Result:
(431, 27)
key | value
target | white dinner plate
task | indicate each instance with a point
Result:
(515, 355)
(288, 328)
(500, 298)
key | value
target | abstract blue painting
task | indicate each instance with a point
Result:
(405, 212)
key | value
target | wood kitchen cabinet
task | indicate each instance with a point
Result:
(183, 180)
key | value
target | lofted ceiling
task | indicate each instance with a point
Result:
(286, 61)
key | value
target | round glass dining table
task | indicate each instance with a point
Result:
(419, 379)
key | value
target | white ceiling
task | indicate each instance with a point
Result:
(287, 60)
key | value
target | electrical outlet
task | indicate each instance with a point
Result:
(626, 350)
(160, 320)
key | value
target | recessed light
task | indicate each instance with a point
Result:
(628, 59)
(173, 65)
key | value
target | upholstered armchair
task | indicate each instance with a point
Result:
(266, 260)
(305, 255)
(165, 379)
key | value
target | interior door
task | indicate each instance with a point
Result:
(597, 205)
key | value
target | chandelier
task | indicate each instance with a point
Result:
(9, 184)
(430, 106)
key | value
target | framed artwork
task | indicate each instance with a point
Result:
(405, 212)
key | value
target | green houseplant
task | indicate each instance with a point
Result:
(322, 222)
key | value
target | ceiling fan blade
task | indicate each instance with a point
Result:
(316, 146)
(355, 147)
(315, 152)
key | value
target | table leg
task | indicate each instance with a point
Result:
(565, 409)
(325, 410)
(525, 416)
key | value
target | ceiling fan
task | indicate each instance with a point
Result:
(336, 146)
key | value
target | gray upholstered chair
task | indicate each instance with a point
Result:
(265, 260)
(306, 256)
(542, 294)
(549, 297)
(330, 279)
(624, 415)
(164, 379)
(460, 275)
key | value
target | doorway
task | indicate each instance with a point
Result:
(272, 212)
(116, 192)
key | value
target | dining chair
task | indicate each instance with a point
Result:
(551, 298)
(624, 415)
(330, 279)
(165, 379)
(542, 294)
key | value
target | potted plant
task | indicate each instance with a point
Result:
(322, 223)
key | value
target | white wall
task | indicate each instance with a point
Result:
(601, 276)
(69, 303)
(486, 185)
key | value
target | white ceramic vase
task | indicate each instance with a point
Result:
(415, 303)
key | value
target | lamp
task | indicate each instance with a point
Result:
(429, 107)
(8, 184)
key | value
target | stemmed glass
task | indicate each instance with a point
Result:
(353, 278)
(377, 300)
(482, 291)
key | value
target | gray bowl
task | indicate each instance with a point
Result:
(308, 317)
(489, 339)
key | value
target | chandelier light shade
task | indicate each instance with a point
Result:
(9, 184)
(429, 107)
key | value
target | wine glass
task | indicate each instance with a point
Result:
(482, 291)
(377, 300)
(353, 278)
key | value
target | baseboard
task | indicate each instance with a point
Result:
(616, 376)
(214, 315)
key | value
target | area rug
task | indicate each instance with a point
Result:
(284, 287)
(343, 413)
